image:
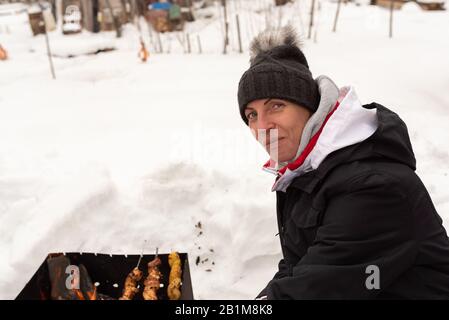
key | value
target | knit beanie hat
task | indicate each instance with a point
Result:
(279, 70)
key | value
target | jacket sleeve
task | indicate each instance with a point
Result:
(283, 271)
(368, 227)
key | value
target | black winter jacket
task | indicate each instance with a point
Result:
(363, 206)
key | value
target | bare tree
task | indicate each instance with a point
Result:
(336, 16)
(226, 24)
(238, 33)
(117, 27)
(47, 42)
(391, 17)
(312, 12)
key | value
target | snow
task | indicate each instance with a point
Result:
(432, 1)
(71, 27)
(115, 151)
(36, 8)
(12, 9)
(411, 6)
(14, 20)
(81, 43)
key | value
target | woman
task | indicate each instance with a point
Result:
(355, 221)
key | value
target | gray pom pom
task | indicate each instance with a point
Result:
(271, 38)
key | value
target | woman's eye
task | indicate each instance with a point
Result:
(277, 106)
(251, 115)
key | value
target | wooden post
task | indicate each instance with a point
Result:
(125, 11)
(226, 39)
(238, 33)
(141, 7)
(135, 16)
(117, 26)
(189, 48)
(200, 49)
(315, 36)
(391, 17)
(140, 10)
(59, 15)
(158, 34)
(336, 16)
(311, 19)
(152, 41)
(47, 41)
(133, 9)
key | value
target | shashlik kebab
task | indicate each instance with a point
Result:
(130, 288)
(174, 281)
(152, 282)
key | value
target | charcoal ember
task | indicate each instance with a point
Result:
(69, 282)
(87, 288)
(57, 266)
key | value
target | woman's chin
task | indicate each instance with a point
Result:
(280, 159)
(283, 156)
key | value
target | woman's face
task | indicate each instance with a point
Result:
(277, 121)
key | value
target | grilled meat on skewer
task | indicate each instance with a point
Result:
(152, 282)
(174, 281)
(130, 288)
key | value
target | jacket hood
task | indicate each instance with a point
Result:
(349, 132)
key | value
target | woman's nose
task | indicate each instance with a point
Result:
(264, 131)
(265, 123)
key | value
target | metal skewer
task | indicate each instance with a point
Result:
(141, 255)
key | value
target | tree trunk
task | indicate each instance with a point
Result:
(336, 16)
(117, 27)
(391, 17)
(312, 12)
(226, 39)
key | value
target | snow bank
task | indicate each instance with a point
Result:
(81, 44)
(115, 152)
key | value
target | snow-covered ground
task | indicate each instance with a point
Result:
(115, 151)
